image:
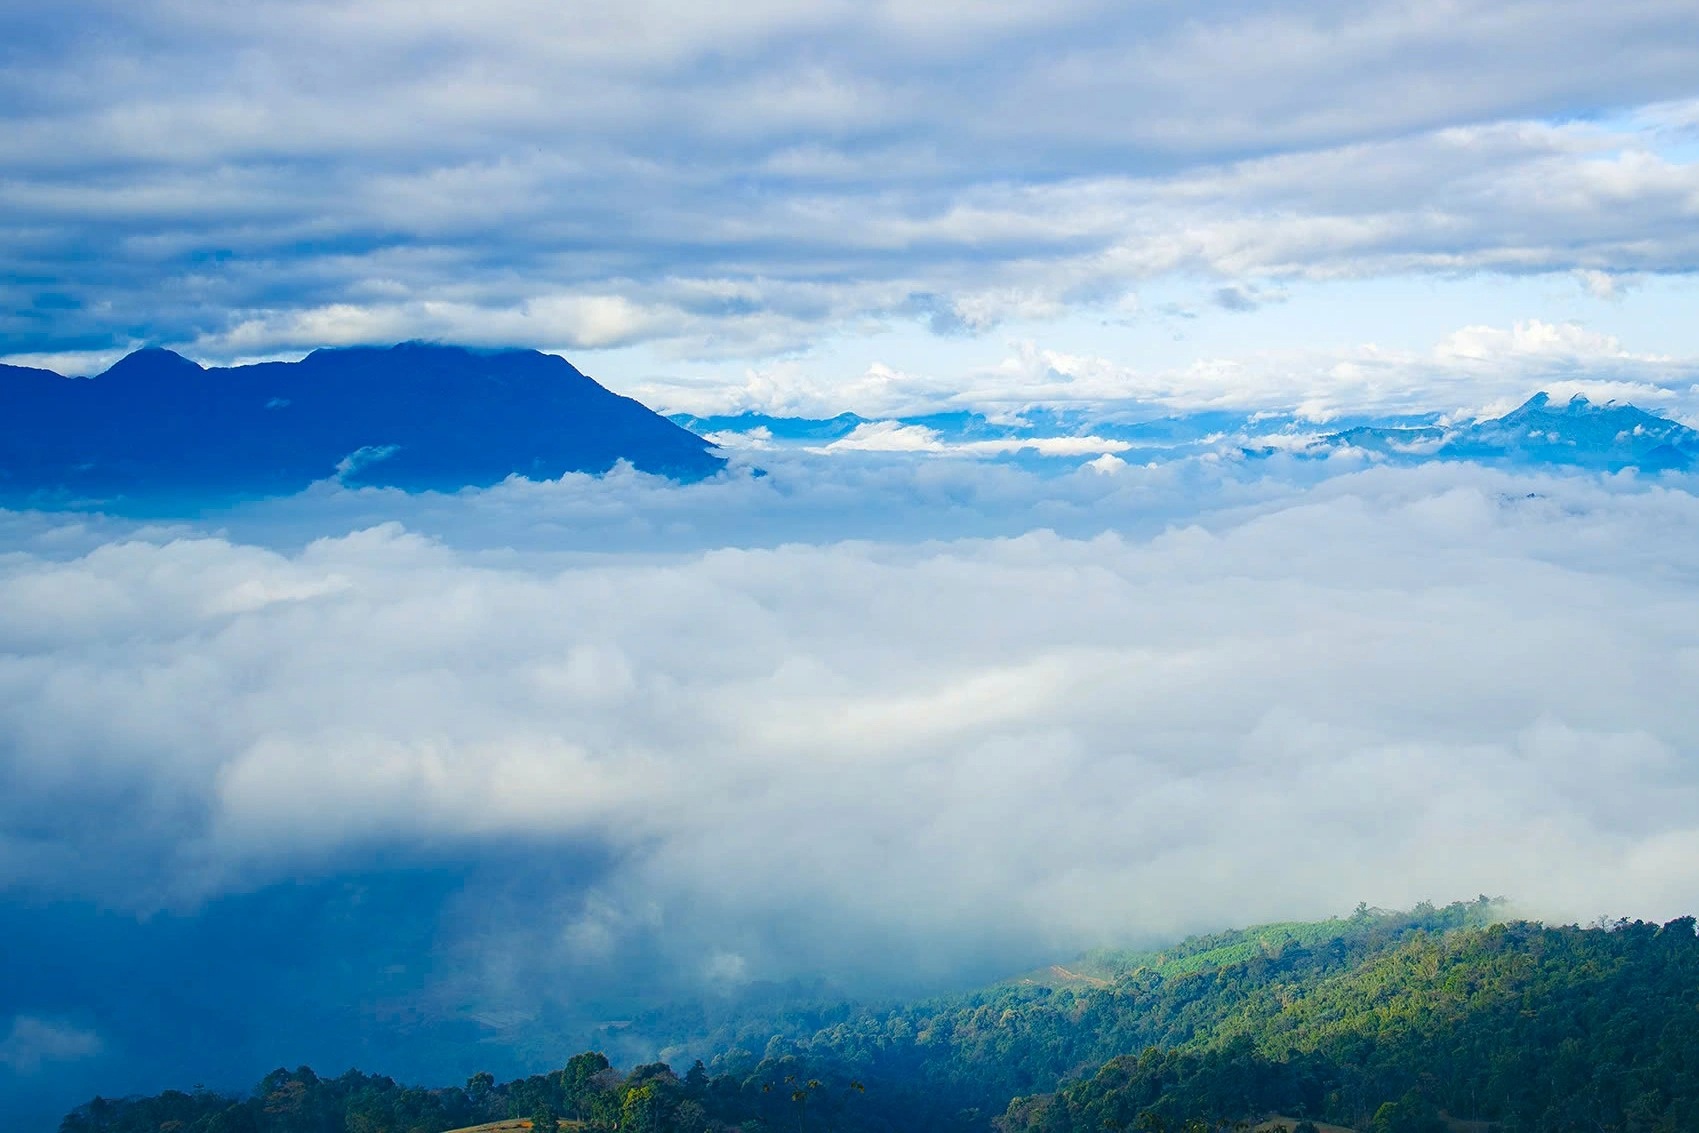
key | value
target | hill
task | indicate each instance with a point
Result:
(413, 416)
(1446, 1020)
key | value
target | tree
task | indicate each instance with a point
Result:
(643, 1110)
(1411, 1113)
(581, 1080)
(480, 1092)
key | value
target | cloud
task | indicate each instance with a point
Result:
(1235, 299)
(33, 1042)
(1474, 370)
(893, 436)
(1601, 284)
(505, 762)
(1107, 463)
(745, 184)
(1018, 721)
(888, 436)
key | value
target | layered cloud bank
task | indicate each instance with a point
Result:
(741, 184)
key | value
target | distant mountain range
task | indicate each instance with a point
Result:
(1578, 432)
(158, 428)
(414, 416)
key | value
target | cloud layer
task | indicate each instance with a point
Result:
(1418, 682)
(738, 184)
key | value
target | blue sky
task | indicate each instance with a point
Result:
(493, 761)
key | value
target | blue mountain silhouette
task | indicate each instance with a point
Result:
(1577, 432)
(414, 416)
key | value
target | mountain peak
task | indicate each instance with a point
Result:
(1608, 434)
(152, 361)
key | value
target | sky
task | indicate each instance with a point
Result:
(760, 209)
(420, 782)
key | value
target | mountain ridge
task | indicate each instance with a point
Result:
(425, 416)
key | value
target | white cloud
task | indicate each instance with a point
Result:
(1474, 370)
(1601, 284)
(893, 436)
(1406, 678)
(1107, 463)
(888, 436)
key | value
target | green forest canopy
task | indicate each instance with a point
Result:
(1431, 1020)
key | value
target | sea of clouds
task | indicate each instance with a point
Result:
(901, 721)
(1036, 711)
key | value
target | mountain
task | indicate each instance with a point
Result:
(412, 416)
(1608, 436)
(1436, 1020)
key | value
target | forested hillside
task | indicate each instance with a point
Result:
(1424, 1021)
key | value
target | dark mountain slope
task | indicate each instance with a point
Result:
(413, 416)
